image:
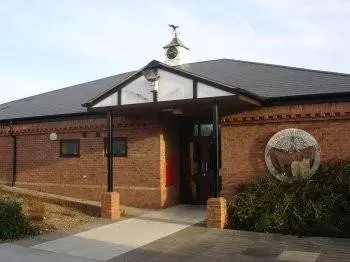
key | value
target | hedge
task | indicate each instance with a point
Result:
(315, 207)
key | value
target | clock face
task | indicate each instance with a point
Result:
(172, 52)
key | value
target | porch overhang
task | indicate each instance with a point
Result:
(186, 107)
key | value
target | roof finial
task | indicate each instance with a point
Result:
(174, 27)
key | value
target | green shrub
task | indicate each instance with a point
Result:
(315, 207)
(13, 223)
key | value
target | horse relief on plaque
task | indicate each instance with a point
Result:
(292, 154)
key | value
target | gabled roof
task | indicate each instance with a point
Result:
(271, 82)
(178, 71)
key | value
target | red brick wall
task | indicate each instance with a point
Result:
(169, 166)
(40, 167)
(6, 160)
(245, 135)
(141, 177)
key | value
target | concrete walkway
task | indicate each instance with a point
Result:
(106, 242)
(166, 235)
(15, 253)
(200, 244)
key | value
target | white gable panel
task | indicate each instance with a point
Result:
(210, 91)
(111, 100)
(170, 87)
(136, 92)
(174, 87)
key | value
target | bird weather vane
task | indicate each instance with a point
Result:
(174, 27)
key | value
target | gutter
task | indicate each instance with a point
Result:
(49, 117)
(309, 99)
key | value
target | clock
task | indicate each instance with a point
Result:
(172, 52)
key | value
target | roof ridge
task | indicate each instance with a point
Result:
(204, 61)
(286, 66)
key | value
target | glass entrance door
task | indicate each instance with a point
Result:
(202, 162)
(197, 154)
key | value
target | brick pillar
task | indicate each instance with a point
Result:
(216, 212)
(110, 205)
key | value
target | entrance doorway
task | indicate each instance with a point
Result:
(197, 155)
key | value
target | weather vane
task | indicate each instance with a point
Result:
(174, 27)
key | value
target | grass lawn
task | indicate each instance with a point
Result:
(49, 217)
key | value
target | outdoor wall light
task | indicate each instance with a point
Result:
(174, 111)
(178, 111)
(151, 74)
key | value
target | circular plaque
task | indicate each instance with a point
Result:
(292, 154)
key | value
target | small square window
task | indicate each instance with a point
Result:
(70, 148)
(206, 129)
(119, 147)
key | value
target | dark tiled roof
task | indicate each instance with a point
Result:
(268, 81)
(59, 102)
(272, 81)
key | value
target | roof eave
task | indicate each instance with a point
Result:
(46, 117)
(308, 99)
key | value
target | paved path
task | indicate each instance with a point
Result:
(15, 253)
(171, 235)
(201, 244)
(112, 240)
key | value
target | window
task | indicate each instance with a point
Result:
(206, 129)
(203, 130)
(119, 146)
(70, 148)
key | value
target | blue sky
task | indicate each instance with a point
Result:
(46, 45)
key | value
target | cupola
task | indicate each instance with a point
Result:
(176, 53)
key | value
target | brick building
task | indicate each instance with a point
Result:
(181, 131)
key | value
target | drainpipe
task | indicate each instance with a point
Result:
(14, 156)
